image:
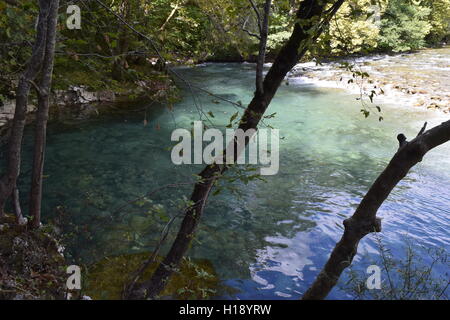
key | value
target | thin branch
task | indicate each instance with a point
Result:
(248, 31)
(258, 15)
(169, 17)
(423, 129)
(149, 194)
(157, 51)
(93, 54)
(36, 87)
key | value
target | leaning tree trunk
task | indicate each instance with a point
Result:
(364, 220)
(43, 91)
(9, 179)
(312, 17)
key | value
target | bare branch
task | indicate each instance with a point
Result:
(423, 129)
(172, 13)
(248, 31)
(36, 87)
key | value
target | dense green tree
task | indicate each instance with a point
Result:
(439, 19)
(356, 27)
(15, 39)
(404, 26)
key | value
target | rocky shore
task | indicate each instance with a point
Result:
(77, 96)
(418, 79)
(79, 102)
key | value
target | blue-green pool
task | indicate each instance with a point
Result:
(270, 242)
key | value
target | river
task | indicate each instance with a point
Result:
(271, 240)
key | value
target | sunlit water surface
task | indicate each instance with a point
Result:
(272, 241)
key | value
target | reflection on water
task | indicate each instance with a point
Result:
(272, 240)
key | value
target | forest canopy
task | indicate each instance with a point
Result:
(199, 30)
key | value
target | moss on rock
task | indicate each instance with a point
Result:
(107, 278)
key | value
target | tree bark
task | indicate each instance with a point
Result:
(16, 206)
(364, 220)
(264, 30)
(8, 180)
(313, 17)
(121, 64)
(42, 116)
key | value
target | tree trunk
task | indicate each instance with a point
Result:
(8, 180)
(42, 116)
(120, 65)
(364, 220)
(16, 206)
(312, 17)
(262, 48)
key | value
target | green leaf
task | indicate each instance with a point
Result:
(234, 116)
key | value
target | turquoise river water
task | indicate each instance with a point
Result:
(272, 240)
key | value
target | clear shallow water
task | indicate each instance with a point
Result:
(272, 241)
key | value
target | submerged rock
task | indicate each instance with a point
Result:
(196, 279)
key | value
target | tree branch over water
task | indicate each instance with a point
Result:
(312, 16)
(364, 220)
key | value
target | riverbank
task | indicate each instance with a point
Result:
(419, 79)
(32, 264)
(82, 102)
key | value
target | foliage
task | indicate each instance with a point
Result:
(440, 20)
(15, 39)
(404, 26)
(105, 54)
(355, 28)
(281, 22)
(364, 26)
